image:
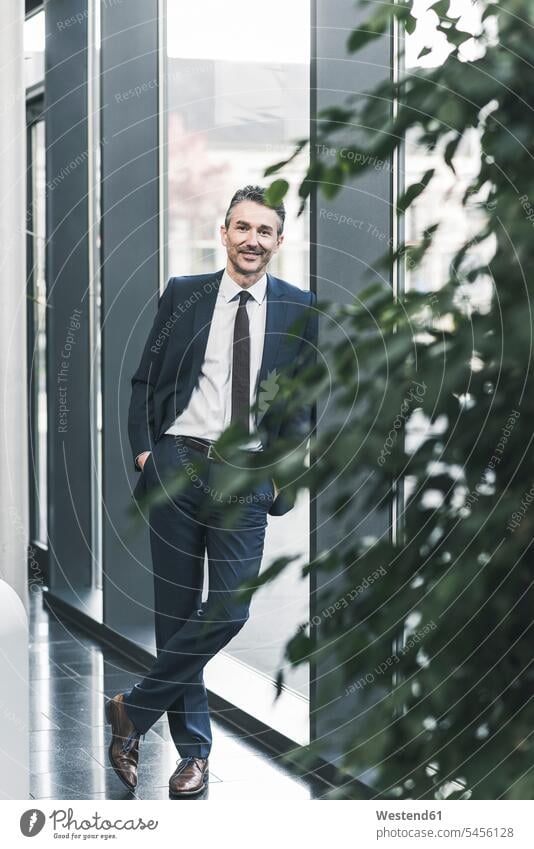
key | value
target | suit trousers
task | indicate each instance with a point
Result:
(184, 525)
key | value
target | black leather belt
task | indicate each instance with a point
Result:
(203, 445)
(206, 446)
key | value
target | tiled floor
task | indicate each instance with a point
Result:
(70, 673)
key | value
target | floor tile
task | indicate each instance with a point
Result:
(239, 791)
(55, 688)
(232, 759)
(157, 760)
(40, 722)
(71, 675)
(54, 739)
(61, 759)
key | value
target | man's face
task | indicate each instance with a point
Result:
(251, 238)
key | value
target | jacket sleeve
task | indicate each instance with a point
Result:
(298, 425)
(141, 409)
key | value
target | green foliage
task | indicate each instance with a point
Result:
(443, 639)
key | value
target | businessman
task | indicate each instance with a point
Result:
(215, 341)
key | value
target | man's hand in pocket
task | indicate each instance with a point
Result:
(142, 458)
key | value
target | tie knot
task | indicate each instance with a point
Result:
(244, 297)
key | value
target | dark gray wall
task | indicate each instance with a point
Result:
(343, 254)
(69, 497)
(130, 274)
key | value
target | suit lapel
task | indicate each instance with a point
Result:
(203, 314)
(274, 327)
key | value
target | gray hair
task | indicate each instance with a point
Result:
(257, 194)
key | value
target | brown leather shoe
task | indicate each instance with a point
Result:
(189, 778)
(123, 751)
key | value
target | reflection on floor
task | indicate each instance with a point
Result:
(69, 675)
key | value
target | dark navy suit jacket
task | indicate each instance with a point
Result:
(174, 352)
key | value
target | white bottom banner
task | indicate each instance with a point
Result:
(268, 824)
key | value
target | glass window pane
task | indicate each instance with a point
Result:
(34, 45)
(442, 202)
(39, 422)
(237, 97)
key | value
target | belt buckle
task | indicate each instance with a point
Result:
(210, 454)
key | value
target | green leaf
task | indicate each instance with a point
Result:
(410, 24)
(272, 169)
(424, 52)
(450, 150)
(414, 191)
(441, 7)
(276, 192)
(360, 37)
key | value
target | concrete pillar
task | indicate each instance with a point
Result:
(14, 697)
(14, 521)
(13, 401)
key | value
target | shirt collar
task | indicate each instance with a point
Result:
(230, 289)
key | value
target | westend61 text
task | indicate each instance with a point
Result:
(408, 815)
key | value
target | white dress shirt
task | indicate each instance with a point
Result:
(209, 409)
